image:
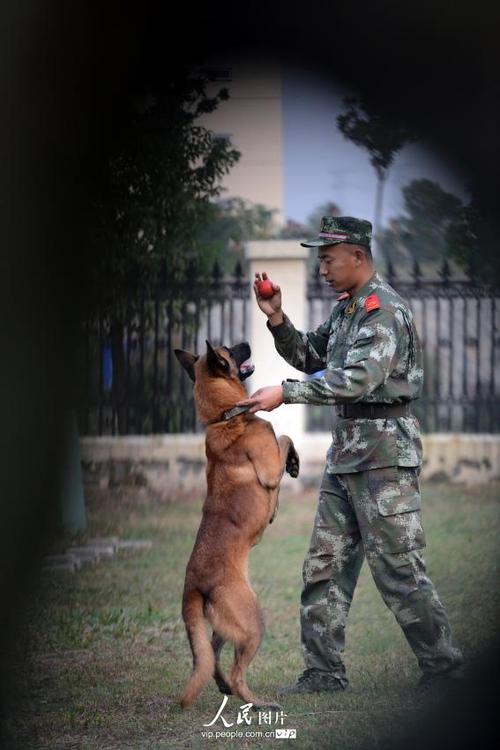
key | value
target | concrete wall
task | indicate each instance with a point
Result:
(164, 465)
(252, 118)
(167, 466)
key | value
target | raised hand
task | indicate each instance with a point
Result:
(269, 305)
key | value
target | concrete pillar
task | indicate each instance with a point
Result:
(285, 263)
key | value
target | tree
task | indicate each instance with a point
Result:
(421, 232)
(430, 210)
(155, 198)
(295, 230)
(378, 135)
(394, 243)
(233, 222)
(313, 221)
(472, 241)
(158, 187)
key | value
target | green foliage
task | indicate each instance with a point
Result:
(295, 230)
(155, 196)
(430, 206)
(313, 222)
(472, 242)
(422, 231)
(234, 221)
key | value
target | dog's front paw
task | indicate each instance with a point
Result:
(292, 462)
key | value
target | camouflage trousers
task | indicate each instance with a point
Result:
(374, 513)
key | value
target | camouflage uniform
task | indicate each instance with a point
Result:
(369, 501)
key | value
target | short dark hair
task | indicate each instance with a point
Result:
(366, 250)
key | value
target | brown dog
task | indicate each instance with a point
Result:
(245, 463)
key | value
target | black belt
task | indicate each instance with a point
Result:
(372, 411)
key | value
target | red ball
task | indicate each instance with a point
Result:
(265, 288)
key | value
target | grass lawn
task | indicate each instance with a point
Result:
(104, 656)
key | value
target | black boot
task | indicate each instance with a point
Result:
(440, 681)
(316, 681)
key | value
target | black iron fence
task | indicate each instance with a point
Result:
(131, 381)
(458, 322)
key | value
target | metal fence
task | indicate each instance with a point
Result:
(131, 380)
(458, 323)
(132, 383)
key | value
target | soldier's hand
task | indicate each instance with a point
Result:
(265, 399)
(271, 306)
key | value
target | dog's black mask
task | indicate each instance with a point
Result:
(241, 354)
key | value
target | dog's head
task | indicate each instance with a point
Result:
(220, 362)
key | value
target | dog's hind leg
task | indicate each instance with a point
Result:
(244, 623)
(244, 652)
(222, 683)
(235, 615)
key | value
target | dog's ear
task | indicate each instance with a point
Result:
(214, 361)
(187, 360)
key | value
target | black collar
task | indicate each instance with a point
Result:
(229, 414)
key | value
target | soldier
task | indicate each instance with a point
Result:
(370, 363)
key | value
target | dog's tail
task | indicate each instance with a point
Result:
(203, 655)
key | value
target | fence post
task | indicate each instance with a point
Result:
(71, 497)
(285, 262)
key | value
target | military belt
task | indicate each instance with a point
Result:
(372, 411)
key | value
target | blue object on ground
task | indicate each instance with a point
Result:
(107, 367)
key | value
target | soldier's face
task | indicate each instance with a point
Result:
(339, 266)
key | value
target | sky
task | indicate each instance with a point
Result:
(320, 165)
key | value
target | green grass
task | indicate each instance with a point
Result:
(104, 656)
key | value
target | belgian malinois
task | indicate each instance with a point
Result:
(245, 463)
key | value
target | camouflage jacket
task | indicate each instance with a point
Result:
(368, 356)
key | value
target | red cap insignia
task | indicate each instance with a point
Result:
(344, 295)
(372, 303)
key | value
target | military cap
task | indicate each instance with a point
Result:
(335, 229)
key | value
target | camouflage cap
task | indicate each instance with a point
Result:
(335, 229)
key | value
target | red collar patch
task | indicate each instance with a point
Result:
(344, 295)
(372, 303)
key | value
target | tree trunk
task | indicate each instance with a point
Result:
(377, 221)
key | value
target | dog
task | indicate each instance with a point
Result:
(245, 463)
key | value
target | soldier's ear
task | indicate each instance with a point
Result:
(187, 360)
(215, 362)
